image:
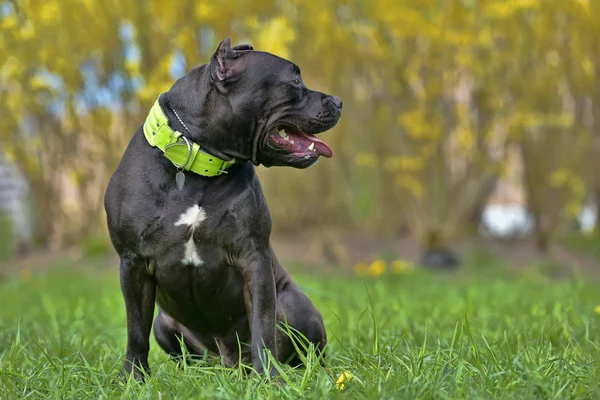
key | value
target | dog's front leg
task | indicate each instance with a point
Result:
(261, 299)
(139, 290)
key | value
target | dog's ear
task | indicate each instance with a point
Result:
(243, 47)
(223, 64)
(222, 61)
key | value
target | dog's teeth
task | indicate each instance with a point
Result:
(311, 147)
(287, 138)
(282, 133)
(291, 141)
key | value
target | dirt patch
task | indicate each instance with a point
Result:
(342, 250)
(339, 251)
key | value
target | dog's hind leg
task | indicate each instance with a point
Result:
(296, 310)
(167, 335)
(174, 338)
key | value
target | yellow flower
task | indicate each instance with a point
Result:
(275, 36)
(559, 178)
(465, 139)
(204, 11)
(597, 309)
(365, 160)
(9, 22)
(411, 185)
(49, 12)
(25, 274)
(405, 163)
(27, 31)
(573, 209)
(377, 268)
(344, 377)
(401, 266)
(361, 269)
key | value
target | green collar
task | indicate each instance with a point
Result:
(182, 152)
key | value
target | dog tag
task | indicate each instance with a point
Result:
(180, 179)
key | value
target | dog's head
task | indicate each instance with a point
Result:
(257, 108)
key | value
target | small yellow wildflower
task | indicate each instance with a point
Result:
(401, 266)
(405, 163)
(411, 185)
(559, 178)
(361, 269)
(366, 160)
(344, 377)
(597, 309)
(377, 268)
(25, 274)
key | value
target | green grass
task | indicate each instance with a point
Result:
(6, 235)
(62, 335)
(586, 244)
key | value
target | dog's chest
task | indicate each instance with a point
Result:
(191, 257)
(190, 223)
(195, 235)
(203, 229)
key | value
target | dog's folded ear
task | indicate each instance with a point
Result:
(243, 47)
(223, 63)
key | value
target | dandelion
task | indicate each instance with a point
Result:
(361, 269)
(377, 268)
(597, 309)
(25, 274)
(344, 377)
(401, 267)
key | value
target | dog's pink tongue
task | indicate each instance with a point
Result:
(320, 146)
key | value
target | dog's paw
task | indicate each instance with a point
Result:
(272, 375)
(136, 370)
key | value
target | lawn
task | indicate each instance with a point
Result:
(412, 335)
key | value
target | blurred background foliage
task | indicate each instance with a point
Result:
(443, 101)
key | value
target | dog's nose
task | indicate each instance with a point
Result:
(337, 101)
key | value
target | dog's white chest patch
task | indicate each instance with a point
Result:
(192, 217)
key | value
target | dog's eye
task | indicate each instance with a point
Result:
(296, 81)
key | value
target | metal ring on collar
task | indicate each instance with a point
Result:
(189, 153)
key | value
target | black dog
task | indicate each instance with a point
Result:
(187, 215)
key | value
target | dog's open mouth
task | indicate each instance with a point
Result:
(291, 140)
